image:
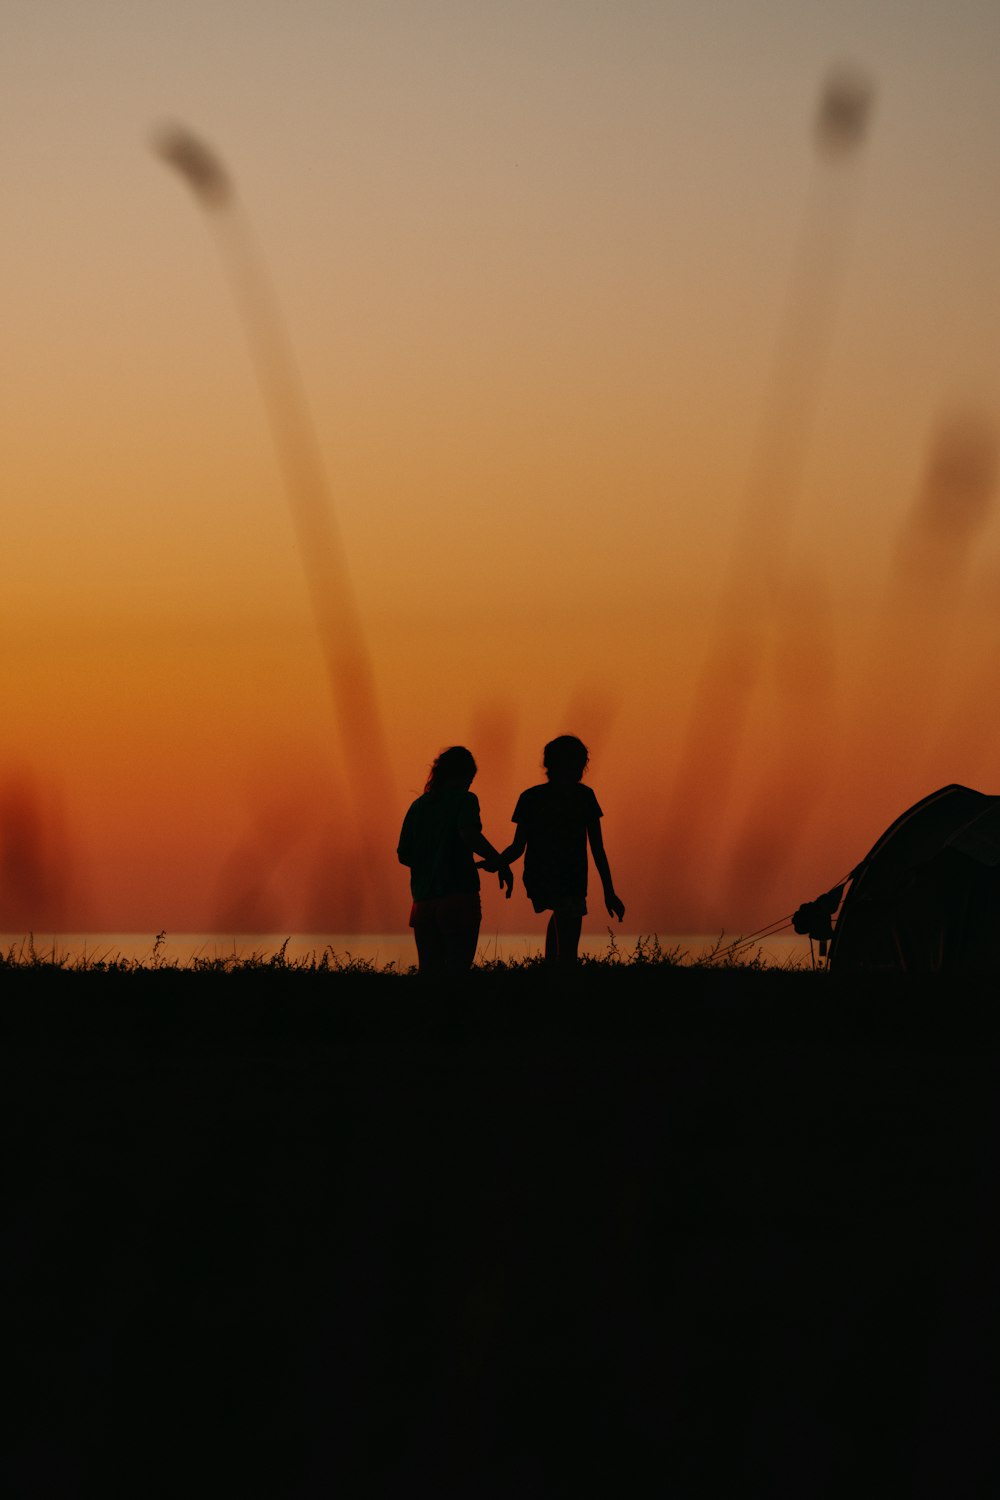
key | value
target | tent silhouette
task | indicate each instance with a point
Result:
(926, 897)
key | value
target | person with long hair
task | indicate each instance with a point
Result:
(555, 822)
(441, 834)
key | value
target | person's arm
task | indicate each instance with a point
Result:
(404, 850)
(472, 834)
(515, 849)
(512, 851)
(613, 902)
(493, 863)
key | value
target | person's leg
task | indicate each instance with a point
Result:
(552, 941)
(568, 924)
(461, 916)
(429, 938)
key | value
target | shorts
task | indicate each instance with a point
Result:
(552, 900)
(457, 910)
(446, 932)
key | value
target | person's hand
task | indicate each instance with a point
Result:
(489, 865)
(506, 878)
(616, 907)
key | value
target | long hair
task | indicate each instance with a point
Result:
(453, 767)
(565, 758)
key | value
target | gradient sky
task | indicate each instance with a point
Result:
(535, 260)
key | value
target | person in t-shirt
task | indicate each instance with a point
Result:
(441, 833)
(555, 821)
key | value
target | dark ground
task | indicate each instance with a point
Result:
(666, 1233)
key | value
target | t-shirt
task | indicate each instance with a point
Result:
(432, 843)
(554, 817)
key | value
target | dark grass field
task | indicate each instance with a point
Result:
(656, 1232)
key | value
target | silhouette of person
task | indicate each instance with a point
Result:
(441, 832)
(554, 823)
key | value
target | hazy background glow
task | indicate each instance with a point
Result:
(533, 258)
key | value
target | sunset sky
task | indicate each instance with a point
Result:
(545, 266)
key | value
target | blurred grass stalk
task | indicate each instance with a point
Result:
(755, 574)
(347, 658)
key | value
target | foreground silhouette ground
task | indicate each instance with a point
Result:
(662, 1232)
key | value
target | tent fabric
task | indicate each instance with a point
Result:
(926, 897)
(980, 839)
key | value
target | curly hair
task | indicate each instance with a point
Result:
(565, 756)
(453, 767)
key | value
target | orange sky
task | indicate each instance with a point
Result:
(534, 261)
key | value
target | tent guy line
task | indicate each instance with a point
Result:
(926, 897)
